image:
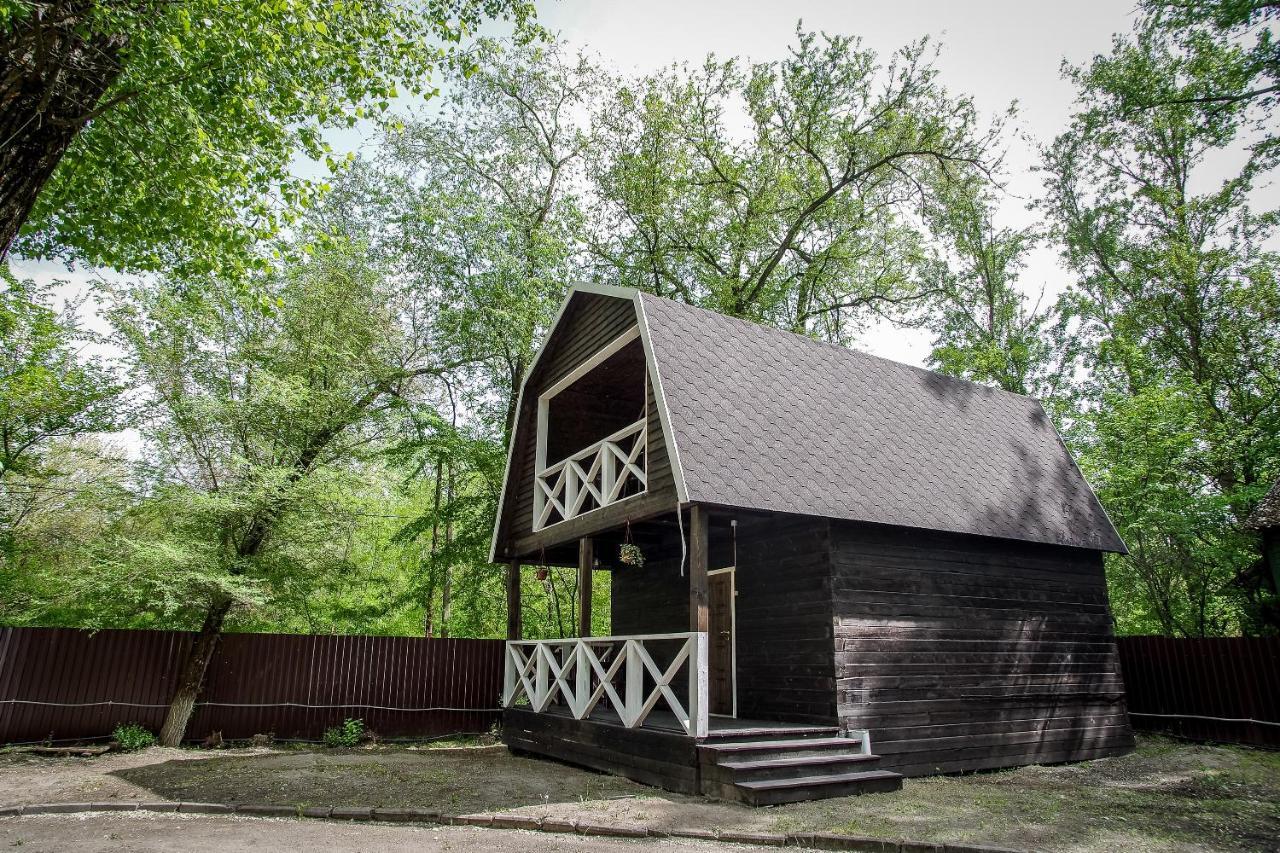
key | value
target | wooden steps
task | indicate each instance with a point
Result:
(786, 768)
(754, 733)
(754, 762)
(821, 787)
(790, 768)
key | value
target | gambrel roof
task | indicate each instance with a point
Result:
(761, 419)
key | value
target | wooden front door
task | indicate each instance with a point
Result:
(720, 651)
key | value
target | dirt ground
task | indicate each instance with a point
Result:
(165, 833)
(1166, 796)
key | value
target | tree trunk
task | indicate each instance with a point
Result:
(193, 672)
(428, 618)
(513, 399)
(52, 76)
(446, 585)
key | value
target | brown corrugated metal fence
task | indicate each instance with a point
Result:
(1217, 689)
(63, 684)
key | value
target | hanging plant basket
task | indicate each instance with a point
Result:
(629, 554)
(541, 573)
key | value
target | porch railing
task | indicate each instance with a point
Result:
(579, 672)
(594, 477)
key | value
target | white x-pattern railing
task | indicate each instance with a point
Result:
(592, 478)
(581, 671)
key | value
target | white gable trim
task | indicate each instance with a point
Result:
(664, 415)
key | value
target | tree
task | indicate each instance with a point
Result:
(1144, 454)
(1178, 307)
(255, 417)
(1232, 44)
(984, 327)
(479, 207)
(57, 515)
(49, 390)
(145, 134)
(805, 217)
(489, 193)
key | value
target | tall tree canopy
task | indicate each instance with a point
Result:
(985, 328)
(146, 134)
(1177, 298)
(49, 390)
(479, 205)
(786, 192)
(251, 410)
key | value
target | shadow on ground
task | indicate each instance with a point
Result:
(456, 782)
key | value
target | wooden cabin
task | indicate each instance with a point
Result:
(853, 569)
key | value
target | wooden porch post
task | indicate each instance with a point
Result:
(699, 612)
(586, 557)
(515, 627)
(699, 621)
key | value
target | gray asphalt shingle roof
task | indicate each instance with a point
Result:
(765, 419)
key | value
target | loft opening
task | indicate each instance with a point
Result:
(592, 434)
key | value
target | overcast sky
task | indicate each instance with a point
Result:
(998, 51)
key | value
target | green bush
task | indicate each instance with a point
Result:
(347, 734)
(132, 736)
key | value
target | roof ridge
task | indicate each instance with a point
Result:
(644, 294)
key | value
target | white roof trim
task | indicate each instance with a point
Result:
(664, 414)
(628, 293)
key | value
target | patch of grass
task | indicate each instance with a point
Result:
(348, 733)
(132, 737)
(1162, 796)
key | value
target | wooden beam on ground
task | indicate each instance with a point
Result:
(514, 624)
(586, 558)
(699, 548)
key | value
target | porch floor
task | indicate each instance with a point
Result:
(717, 727)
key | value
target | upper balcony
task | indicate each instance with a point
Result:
(592, 434)
(610, 470)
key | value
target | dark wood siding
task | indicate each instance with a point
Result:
(963, 653)
(653, 599)
(783, 611)
(590, 322)
(784, 620)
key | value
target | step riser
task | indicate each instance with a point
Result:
(765, 774)
(716, 738)
(784, 752)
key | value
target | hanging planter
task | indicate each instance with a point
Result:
(541, 573)
(629, 554)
